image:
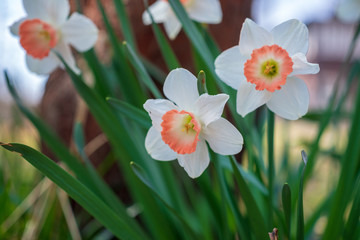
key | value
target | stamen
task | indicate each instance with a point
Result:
(37, 37)
(180, 131)
(268, 68)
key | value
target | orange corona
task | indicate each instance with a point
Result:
(180, 130)
(37, 37)
(268, 68)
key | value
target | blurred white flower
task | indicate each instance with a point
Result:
(179, 130)
(263, 68)
(349, 11)
(47, 27)
(204, 11)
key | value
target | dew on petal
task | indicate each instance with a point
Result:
(37, 38)
(180, 130)
(268, 68)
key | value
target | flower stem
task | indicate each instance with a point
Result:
(271, 171)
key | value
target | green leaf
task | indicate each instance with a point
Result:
(353, 219)
(140, 173)
(124, 22)
(129, 84)
(102, 81)
(300, 212)
(192, 32)
(349, 172)
(256, 217)
(135, 114)
(122, 141)
(50, 138)
(286, 201)
(81, 194)
(271, 167)
(144, 76)
(87, 176)
(169, 56)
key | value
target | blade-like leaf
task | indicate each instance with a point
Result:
(143, 177)
(300, 212)
(131, 112)
(124, 22)
(82, 195)
(254, 214)
(169, 56)
(286, 201)
(125, 149)
(144, 75)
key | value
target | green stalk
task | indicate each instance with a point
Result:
(271, 171)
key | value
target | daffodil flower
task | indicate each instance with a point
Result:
(264, 66)
(181, 126)
(204, 11)
(48, 27)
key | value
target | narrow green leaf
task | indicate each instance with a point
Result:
(256, 217)
(191, 30)
(158, 74)
(125, 149)
(271, 167)
(92, 180)
(50, 138)
(125, 23)
(102, 82)
(129, 84)
(82, 195)
(286, 201)
(145, 77)
(350, 166)
(221, 179)
(131, 112)
(354, 217)
(300, 212)
(169, 56)
(140, 173)
(320, 211)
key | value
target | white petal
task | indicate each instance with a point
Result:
(181, 87)
(210, 107)
(223, 137)
(80, 32)
(156, 147)
(292, 35)
(291, 101)
(348, 11)
(42, 66)
(196, 162)
(302, 66)
(14, 28)
(172, 26)
(248, 98)
(252, 36)
(229, 66)
(54, 12)
(205, 11)
(156, 109)
(64, 50)
(160, 11)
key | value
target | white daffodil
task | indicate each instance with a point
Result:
(349, 10)
(48, 27)
(204, 11)
(181, 126)
(264, 66)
